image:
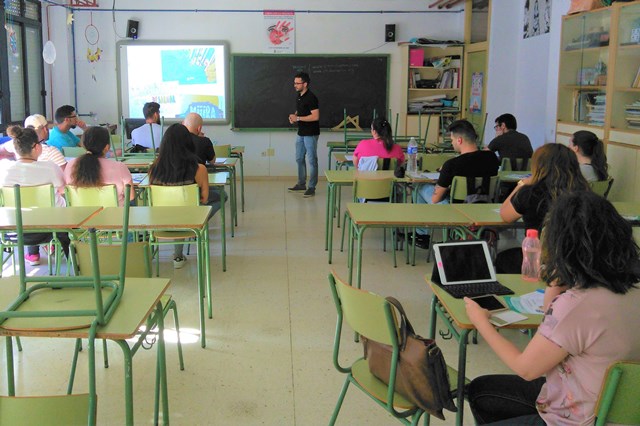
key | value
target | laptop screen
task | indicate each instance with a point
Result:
(464, 262)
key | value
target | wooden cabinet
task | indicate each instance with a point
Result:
(433, 78)
(599, 88)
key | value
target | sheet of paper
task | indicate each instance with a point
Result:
(530, 303)
(348, 157)
(221, 160)
(431, 175)
(503, 318)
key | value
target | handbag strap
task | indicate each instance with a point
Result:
(405, 326)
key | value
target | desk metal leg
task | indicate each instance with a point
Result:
(128, 379)
(331, 199)
(161, 371)
(358, 231)
(11, 381)
(207, 267)
(223, 233)
(462, 365)
(201, 283)
(241, 158)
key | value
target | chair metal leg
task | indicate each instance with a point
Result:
(105, 354)
(336, 410)
(74, 363)
(19, 344)
(173, 306)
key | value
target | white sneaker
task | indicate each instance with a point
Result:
(178, 262)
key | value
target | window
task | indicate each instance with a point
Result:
(21, 65)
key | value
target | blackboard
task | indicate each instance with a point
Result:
(263, 93)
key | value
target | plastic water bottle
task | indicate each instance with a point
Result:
(531, 256)
(412, 152)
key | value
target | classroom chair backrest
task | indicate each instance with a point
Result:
(372, 189)
(222, 151)
(138, 261)
(102, 196)
(432, 162)
(183, 195)
(44, 410)
(73, 151)
(602, 187)
(516, 164)
(619, 396)
(30, 196)
(366, 313)
(387, 163)
(116, 145)
(462, 187)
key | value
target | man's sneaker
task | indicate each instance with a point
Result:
(178, 262)
(32, 259)
(297, 188)
(309, 193)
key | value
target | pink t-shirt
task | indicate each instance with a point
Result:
(113, 172)
(596, 327)
(375, 147)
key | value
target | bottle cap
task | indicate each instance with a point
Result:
(532, 233)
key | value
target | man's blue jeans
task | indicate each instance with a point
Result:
(307, 145)
(425, 192)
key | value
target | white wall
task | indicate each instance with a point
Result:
(523, 73)
(337, 32)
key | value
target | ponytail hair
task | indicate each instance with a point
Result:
(87, 170)
(383, 129)
(593, 148)
(24, 140)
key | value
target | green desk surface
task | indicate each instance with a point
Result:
(411, 215)
(144, 161)
(482, 214)
(455, 307)
(511, 176)
(341, 158)
(47, 217)
(628, 209)
(138, 300)
(157, 217)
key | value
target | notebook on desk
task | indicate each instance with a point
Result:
(465, 269)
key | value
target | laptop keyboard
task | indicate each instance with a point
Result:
(476, 289)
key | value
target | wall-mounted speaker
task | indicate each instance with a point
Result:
(132, 28)
(390, 32)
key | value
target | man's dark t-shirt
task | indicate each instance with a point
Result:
(304, 105)
(512, 144)
(472, 164)
(204, 149)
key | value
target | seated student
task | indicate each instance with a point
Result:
(61, 136)
(143, 134)
(471, 162)
(382, 145)
(28, 171)
(176, 165)
(554, 171)
(591, 157)
(49, 153)
(509, 143)
(591, 272)
(93, 169)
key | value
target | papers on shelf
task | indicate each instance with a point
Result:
(530, 303)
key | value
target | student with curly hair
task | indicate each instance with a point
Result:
(93, 169)
(591, 267)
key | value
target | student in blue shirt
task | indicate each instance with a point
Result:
(60, 136)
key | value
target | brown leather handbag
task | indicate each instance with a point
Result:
(421, 376)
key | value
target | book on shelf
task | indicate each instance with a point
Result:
(416, 77)
(636, 81)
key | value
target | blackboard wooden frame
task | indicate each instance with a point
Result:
(263, 94)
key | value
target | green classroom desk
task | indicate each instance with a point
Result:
(229, 165)
(454, 316)
(141, 296)
(168, 218)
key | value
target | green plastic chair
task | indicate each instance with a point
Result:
(458, 191)
(602, 187)
(31, 197)
(432, 162)
(516, 164)
(618, 402)
(73, 151)
(104, 196)
(370, 189)
(222, 151)
(371, 316)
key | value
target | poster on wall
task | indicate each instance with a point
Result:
(475, 101)
(279, 32)
(537, 17)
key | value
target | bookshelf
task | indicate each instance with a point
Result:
(599, 88)
(433, 76)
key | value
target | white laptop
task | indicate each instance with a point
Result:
(464, 268)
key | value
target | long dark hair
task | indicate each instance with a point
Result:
(87, 170)
(24, 140)
(177, 162)
(556, 169)
(383, 128)
(587, 244)
(592, 148)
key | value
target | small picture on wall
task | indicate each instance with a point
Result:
(537, 17)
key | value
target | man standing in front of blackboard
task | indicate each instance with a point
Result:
(307, 116)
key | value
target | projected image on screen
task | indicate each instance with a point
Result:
(182, 78)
